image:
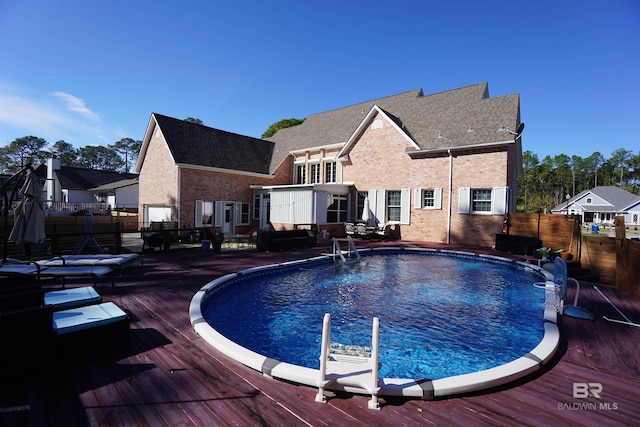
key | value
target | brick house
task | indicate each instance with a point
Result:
(70, 189)
(601, 205)
(440, 167)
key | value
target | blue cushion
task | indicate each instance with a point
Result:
(74, 297)
(91, 316)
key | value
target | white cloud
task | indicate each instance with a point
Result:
(76, 105)
(52, 116)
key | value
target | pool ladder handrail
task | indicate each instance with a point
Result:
(360, 372)
(351, 249)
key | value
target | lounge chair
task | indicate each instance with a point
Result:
(39, 271)
(72, 298)
(63, 272)
(116, 262)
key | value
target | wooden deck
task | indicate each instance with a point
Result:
(169, 376)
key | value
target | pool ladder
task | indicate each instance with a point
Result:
(347, 370)
(351, 249)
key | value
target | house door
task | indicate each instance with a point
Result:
(227, 225)
(265, 211)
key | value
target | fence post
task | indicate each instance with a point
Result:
(118, 237)
(54, 240)
(622, 264)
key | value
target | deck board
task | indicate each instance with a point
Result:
(168, 375)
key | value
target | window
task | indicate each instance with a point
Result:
(330, 172)
(301, 174)
(337, 208)
(394, 205)
(256, 206)
(243, 211)
(589, 200)
(428, 199)
(204, 213)
(481, 200)
(315, 173)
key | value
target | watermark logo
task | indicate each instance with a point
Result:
(585, 391)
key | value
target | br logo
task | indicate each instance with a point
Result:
(584, 390)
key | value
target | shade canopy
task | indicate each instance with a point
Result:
(367, 216)
(28, 224)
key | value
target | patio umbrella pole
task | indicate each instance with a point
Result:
(8, 201)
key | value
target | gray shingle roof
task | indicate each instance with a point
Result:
(73, 178)
(455, 118)
(200, 145)
(617, 198)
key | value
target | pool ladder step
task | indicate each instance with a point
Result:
(351, 249)
(348, 370)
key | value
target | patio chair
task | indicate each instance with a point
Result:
(151, 240)
(349, 228)
(383, 230)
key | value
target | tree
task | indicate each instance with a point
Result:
(621, 159)
(634, 173)
(65, 152)
(284, 123)
(23, 151)
(592, 164)
(526, 183)
(128, 148)
(192, 120)
(98, 157)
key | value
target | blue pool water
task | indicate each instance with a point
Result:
(440, 315)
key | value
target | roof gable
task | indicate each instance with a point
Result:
(367, 121)
(192, 144)
(590, 198)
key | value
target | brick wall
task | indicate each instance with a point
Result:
(378, 161)
(159, 178)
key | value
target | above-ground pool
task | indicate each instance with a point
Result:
(450, 322)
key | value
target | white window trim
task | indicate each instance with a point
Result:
(499, 201)
(378, 205)
(199, 212)
(238, 213)
(296, 166)
(419, 198)
(315, 179)
(335, 171)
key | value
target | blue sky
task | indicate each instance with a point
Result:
(91, 73)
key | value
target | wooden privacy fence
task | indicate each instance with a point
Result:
(555, 231)
(64, 233)
(614, 259)
(127, 222)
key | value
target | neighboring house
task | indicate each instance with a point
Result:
(601, 205)
(440, 167)
(71, 189)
